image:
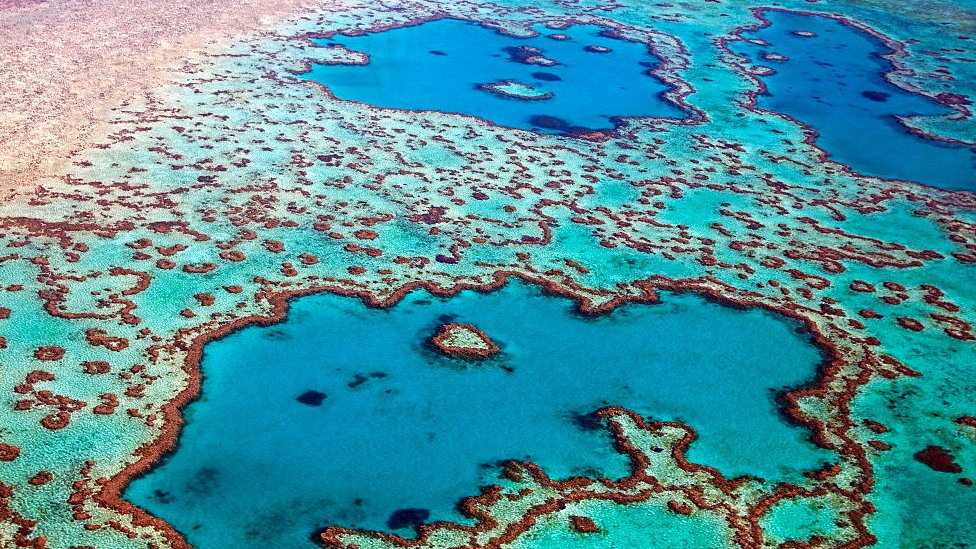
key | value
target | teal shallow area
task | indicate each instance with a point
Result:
(834, 83)
(403, 427)
(439, 65)
(635, 526)
(794, 520)
(918, 506)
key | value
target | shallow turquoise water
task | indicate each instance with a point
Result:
(634, 526)
(403, 427)
(833, 83)
(438, 66)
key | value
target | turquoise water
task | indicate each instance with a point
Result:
(402, 427)
(439, 66)
(833, 83)
(635, 526)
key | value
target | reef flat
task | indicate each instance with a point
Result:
(188, 195)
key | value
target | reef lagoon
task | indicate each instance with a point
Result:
(830, 76)
(430, 428)
(529, 275)
(547, 81)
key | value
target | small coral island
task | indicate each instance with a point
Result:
(516, 90)
(463, 341)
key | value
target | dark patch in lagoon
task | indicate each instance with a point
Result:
(410, 517)
(546, 76)
(203, 481)
(879, 97)
(588, 422)
(359, 379)
(311, 398)
(550, 123)
(437, 52)
(162, 496)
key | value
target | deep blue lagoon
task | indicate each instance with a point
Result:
(833, 82)
(443, 66)
(265, 458)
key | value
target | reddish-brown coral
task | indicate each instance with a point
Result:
(583, 525)
(938, 459)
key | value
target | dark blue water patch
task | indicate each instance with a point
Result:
(404, 432)
(589, 88)
(880, 97)
(546, 76)
(407, 518)
(311, 398)
(833, 82)
(550, 123)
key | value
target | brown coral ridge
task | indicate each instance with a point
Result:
(463, 341)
